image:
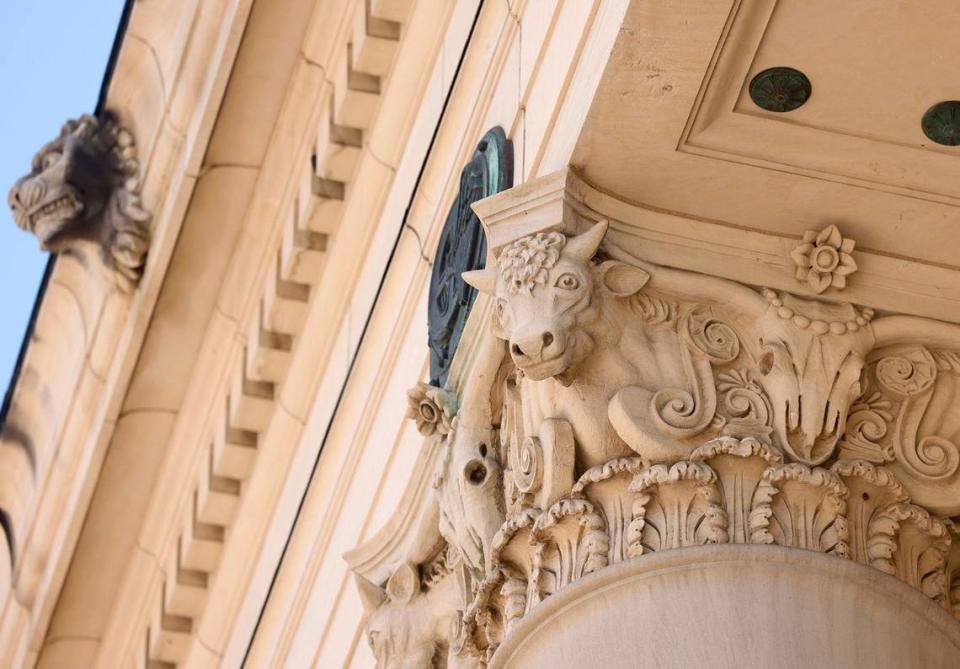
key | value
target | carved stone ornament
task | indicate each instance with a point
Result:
(433, 409)
(824, 259)
(615, 408)
(83, 189)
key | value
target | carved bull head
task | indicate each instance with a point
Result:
(408, 628)
(401, 627)
(546, 288)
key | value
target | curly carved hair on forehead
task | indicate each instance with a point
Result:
(526, 262)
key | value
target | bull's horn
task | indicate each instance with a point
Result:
(484, 280)
(585, 245)
(893, 330)
(371, 594)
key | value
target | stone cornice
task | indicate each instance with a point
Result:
(564, 201)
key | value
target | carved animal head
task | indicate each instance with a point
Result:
(548, 293)
(408, 628)
(811, 377)
(469, 493)
(82, 188)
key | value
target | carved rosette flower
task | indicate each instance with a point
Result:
(824, 259)
(432, 408)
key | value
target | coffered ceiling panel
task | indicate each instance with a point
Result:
(875, 68)
(673, 128)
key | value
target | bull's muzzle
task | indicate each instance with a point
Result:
(540, 355)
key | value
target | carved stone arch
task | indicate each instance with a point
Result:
(463, 247)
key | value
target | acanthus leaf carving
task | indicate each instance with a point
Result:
(570, 542)
(912, 545)
(739, 465)
(801, 507)
(675, 506)
(871, 490)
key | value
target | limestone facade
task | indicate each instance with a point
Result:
(706, 382)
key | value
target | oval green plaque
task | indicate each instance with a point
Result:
(941, 123)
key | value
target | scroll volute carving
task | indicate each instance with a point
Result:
(905, 420)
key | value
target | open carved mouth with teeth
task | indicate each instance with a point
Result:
(65, 206)
(47, 219)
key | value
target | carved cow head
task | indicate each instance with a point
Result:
(547, 293)
(401, 628)
(408, 628)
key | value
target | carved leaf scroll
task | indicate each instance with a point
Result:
(675, 506)
(571, 541)
(911, 374)
(708, 341)
(739, 466)
(801, 507)
(912, 545)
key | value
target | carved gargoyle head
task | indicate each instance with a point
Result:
(82, 188)
(548, 292)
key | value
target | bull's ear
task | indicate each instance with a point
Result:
(585, 245)
(622, 279)
(371, 594)
(404, 583)
(484, 280)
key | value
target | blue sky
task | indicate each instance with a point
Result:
(53, 54)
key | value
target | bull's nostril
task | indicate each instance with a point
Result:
(547, 339)
(516, 349)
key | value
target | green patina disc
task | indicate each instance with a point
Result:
(780, 89)
(941, 123)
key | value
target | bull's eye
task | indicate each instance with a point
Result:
(567, 282)
(500, 307)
